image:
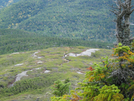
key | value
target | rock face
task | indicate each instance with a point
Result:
(39, 62)
(79, 72)
(24, 73)
(47, 71)
(18, 77)
(19, 64)
(34, 55)
(85, 53)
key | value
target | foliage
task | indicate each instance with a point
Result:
(109, 93)
(98, 73)
(73, 97)
(121, 48)
(86, 20)
(63, 98)
(12, 40)
(109, 80)
(60, 88)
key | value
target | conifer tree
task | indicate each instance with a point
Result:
(60, 88)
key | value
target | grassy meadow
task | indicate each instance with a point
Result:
(36, 86)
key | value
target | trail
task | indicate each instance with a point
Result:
(85, 53)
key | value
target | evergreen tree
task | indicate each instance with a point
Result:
(60, 88)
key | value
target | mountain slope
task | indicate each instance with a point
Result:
(63, 18)
(35, 82)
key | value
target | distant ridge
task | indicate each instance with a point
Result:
(75, 19)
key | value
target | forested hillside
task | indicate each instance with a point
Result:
(12, 40)
(85, 19)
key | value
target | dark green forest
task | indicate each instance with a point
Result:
(75, 19)
(12, 40)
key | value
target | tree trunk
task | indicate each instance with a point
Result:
(123, 12)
